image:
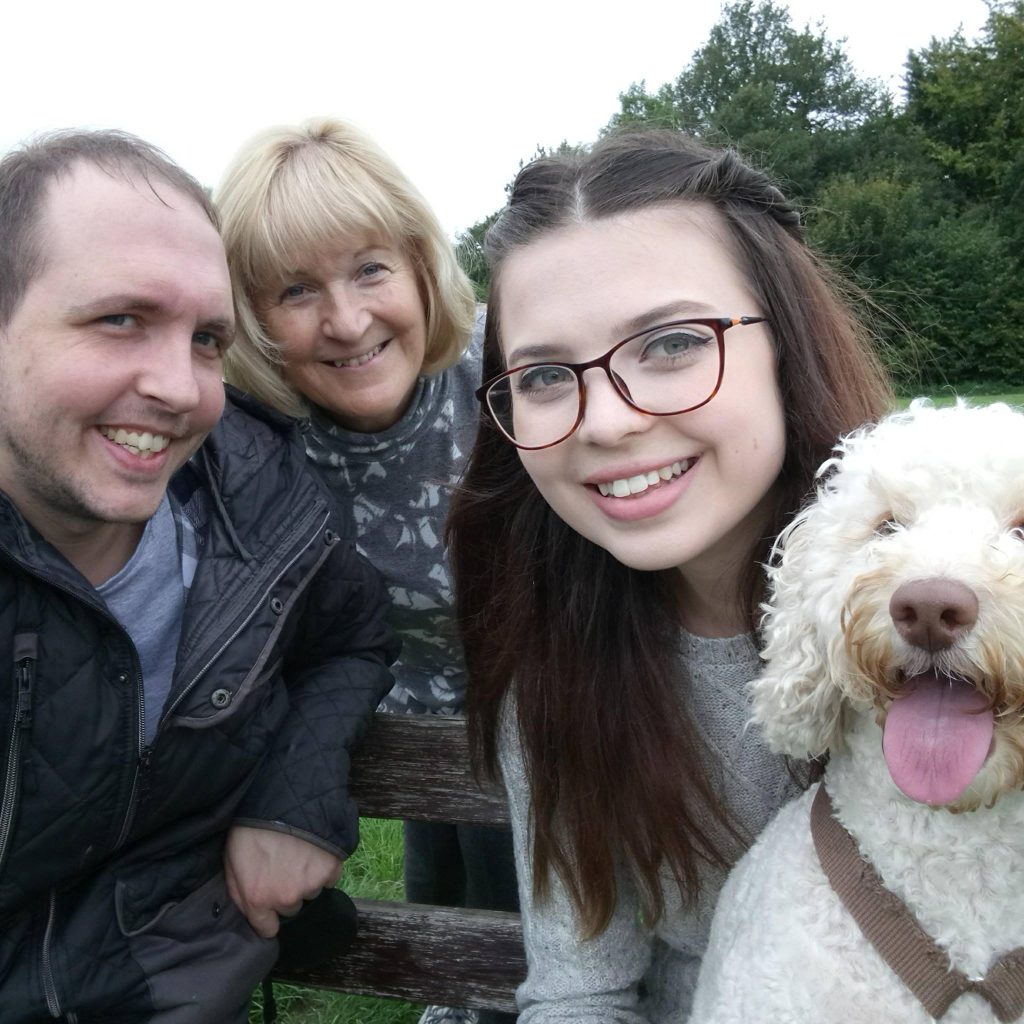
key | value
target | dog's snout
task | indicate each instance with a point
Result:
(933, 613)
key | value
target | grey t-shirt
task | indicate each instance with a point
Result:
(398, 483)
(147, 596)
(628, 974)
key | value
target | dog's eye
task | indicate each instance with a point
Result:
(1017, 530)
(886, 525)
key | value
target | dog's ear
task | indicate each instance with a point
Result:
(796, 701)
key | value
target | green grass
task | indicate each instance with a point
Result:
(976, 393)
(374, 872)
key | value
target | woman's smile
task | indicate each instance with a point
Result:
(637, 483)
(360, 360)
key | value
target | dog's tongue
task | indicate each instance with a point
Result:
(937, 736)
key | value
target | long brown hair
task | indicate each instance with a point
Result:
(586, 646)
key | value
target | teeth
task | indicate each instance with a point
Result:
(625, 486)
(144, 445)
(360, 360)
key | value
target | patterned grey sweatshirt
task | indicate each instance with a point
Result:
(628, 974)
(398, 483)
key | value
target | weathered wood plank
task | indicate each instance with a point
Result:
(427, 954)
(417, 767)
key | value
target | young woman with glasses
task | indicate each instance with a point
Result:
(666, 364)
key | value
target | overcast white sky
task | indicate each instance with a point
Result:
(458, 92)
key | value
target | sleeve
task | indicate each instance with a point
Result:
(335, 669)
(570, 980)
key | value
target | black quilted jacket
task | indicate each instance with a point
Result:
(282, 659)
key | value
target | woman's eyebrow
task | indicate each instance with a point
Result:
(536, 353)
(677, 309)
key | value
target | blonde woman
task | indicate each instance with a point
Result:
(355, 317)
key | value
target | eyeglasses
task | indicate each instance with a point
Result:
(665, 370)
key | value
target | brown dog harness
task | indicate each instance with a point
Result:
(897, 935)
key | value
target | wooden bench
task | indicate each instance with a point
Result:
(417, 767)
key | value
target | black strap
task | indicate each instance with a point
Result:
(269, 1002)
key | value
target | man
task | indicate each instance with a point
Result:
(192, 648)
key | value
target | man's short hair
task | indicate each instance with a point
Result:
(26, 173)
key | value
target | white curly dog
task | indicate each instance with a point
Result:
(894, 641)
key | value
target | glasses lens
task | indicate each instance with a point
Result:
(669, 369)
(537, 405)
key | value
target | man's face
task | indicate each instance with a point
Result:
(110, 368)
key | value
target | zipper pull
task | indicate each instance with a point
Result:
(26, 653)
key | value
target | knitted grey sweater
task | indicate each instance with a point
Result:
(628, 974)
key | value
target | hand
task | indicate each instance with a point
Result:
(269, 874)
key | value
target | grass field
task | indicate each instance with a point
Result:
(977, 395)
(376, 872)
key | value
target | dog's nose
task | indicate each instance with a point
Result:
(933, 613)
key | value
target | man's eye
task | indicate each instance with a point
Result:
(119, 320)
(212, 342)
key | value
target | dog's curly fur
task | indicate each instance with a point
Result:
(927, 493)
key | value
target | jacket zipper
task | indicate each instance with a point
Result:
(144, 758)
(26, 651)
(49, 985)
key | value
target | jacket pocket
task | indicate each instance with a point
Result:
(200, 957)
(26, 652)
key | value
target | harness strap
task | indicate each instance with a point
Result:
(920, 963)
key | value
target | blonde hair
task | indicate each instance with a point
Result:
(293, 190)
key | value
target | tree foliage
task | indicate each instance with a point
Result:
(469, 244)
(758, 83)
(923, 203)
(469, 250)
(968, 99)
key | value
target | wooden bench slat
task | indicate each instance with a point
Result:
(474, 958)
(417, 767)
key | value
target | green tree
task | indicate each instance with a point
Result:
(968, 98)
(786, 96)
(469, 244)
(923, 204)
(946, 277)
(968, 101)
(469, 250)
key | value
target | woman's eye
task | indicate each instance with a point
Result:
(676, 343)
(371, 269)
(544, 379)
